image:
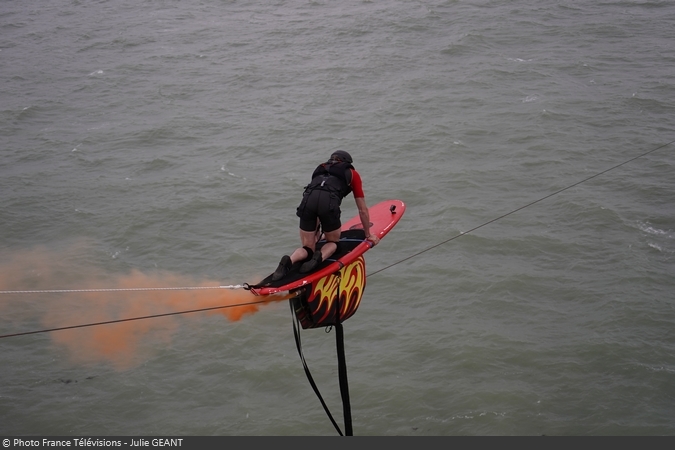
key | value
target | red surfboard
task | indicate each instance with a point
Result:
(383, 217)
(332, 293)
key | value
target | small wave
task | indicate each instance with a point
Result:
(224, 169)
(658, 368)
(649, 229)
(531, 98)
(656, 236)
(466, 416)
(655, 247)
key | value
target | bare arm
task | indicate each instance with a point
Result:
(365, 219)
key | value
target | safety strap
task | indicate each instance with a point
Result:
(298, 343)
(342, 366)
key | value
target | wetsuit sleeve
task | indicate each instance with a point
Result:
(357, 185)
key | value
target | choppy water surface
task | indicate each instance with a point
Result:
(160, 144)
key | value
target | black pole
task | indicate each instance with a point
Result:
(342, 363)
(344, 385)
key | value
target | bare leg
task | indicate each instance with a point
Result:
(330, 246)
(309, 240)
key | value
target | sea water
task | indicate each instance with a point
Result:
(528, 290)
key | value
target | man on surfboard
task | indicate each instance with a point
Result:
(331, 182)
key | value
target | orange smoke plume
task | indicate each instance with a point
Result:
(117, 343)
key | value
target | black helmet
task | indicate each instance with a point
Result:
(341, 155)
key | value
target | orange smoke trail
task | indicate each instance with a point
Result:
(120, 343)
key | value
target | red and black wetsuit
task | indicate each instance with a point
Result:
(331, 182)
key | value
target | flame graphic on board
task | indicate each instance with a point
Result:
(350, 285)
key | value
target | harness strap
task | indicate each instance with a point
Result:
(342, 365)
(298, 344)
(322, 187)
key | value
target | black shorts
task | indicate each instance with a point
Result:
(322, 205)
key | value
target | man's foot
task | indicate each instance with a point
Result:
(283, 269)
(312, 263)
